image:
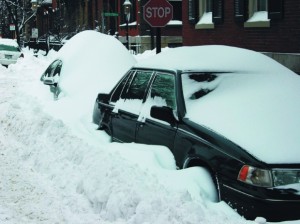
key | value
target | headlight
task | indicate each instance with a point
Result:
(255, 176)
(285, 177)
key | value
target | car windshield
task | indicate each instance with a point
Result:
(197, 85)
(4, 47)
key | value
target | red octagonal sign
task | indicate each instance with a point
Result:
(158, 12)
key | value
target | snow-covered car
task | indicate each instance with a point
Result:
(232, 111)
(86, 60)
(51, 77)
(66, 38)
(10, 51)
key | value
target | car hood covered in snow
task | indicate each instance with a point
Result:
(258, 112)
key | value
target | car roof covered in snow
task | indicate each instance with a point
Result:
(9, 42)
(213, 58)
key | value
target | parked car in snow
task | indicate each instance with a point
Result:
(51, 76)
(67, 37)
(232, 111)
(10, 51)
(87, 59)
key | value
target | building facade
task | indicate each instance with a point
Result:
(141, 35)
(269, 26)
(66, 16)
(60, 17)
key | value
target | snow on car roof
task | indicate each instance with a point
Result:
(217, 58)
(93, 59)
(9, 42)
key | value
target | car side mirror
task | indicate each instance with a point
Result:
(163, 113)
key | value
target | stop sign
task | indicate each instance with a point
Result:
(158, 12)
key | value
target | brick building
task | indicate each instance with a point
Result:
(141, 35)
(270, 26)
(65, 16)
(107, 16)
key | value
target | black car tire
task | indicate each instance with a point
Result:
(96, 115)
(213, 175)
(215, 181)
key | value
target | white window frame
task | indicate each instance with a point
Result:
(205, 18)
(257, 18)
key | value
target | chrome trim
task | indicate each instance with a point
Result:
(187, 161)
(116, 140)
(286, 169)
(106, 104)
(264, 199)
(218, 187)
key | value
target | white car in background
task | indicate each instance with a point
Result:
(10, 51)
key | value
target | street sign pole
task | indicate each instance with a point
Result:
(158, 40)
(157, 13)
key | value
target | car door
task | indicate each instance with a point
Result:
(127, 108)
(151, 130)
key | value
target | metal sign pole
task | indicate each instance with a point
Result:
(158, 40)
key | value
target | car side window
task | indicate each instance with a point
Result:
(133, 93)
(162, 91)
(50, 71)
(138, 86)
(118, 90)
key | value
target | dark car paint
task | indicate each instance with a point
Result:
(124, 124)
(196, 145)
(161, 134)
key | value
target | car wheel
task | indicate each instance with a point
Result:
(96, 115)
(209, 183)
(108, 132)
(208, 179)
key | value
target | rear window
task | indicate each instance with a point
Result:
(138, 86)
(197, 85)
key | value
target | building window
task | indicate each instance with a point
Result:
(262, 5)
(205, 14)
(177, 9)
(257, 13)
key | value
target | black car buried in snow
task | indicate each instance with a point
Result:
(232, 111)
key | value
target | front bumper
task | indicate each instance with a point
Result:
(7, 62)
(250, 206)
